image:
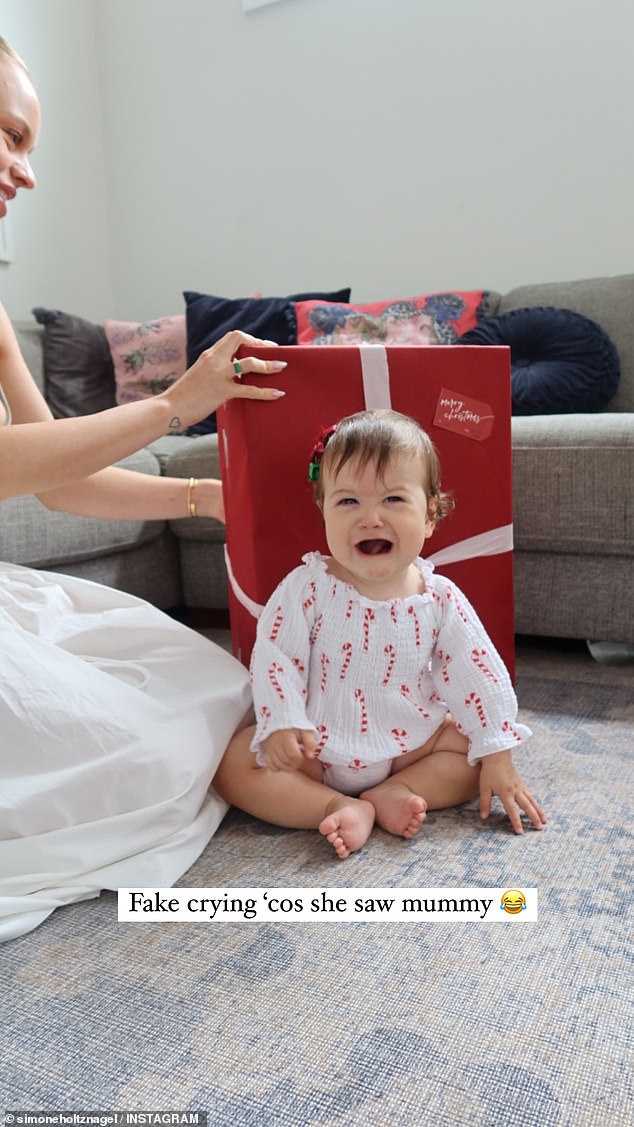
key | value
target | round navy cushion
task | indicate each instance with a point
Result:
(561, 361)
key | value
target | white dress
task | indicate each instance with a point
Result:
(113, 719)
(374, 680)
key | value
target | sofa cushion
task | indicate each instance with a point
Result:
(168, 445)
(561, 361)
(608, 301)
(31, 339)
(78, 369)
(427, 319)
(572, 484)
(148, 356)
(270, 318)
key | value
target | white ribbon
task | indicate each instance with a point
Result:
(376, 377)
(254, 609)
(491, 543)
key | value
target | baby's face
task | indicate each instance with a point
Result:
(376, 526)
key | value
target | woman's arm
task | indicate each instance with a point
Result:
(39, 454)
(119, 494)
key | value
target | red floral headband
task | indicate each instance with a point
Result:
(319, 446)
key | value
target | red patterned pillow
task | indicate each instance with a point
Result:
(148, 356)
(430, 319)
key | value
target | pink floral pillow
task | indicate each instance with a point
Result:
(148, 356)
(429, 319)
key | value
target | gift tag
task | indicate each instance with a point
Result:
(463, 415)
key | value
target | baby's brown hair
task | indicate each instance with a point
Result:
(373, 437)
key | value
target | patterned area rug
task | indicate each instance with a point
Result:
(367, 1023)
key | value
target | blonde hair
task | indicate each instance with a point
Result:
(7, 50)
(373, 438)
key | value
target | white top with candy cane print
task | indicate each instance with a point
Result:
(375, 679)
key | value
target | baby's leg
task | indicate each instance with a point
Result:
(433, 777)
(295, 799)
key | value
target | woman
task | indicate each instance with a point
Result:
(113, 716)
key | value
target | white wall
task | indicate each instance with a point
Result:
(59, 231)
(394, 145)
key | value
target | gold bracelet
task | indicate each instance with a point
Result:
(191, 504)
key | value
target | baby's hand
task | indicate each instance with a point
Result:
(498, 776)
(286, 749)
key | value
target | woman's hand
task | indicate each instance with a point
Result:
(212, 380)
(69, 462)
(498, 776)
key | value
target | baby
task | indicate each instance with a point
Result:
(378, 694)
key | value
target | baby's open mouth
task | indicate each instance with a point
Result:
(374, 547)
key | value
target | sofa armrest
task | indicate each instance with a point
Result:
(605, 429)
(35, 536)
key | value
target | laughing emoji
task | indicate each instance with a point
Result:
(513, 902)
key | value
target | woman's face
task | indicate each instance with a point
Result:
(19, 128)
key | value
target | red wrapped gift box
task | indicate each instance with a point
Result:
(460, 395)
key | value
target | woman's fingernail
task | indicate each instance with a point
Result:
(278, 364)
(278, 394)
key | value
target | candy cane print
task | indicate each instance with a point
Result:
(349, 608)
(476, 657)
(325, 662)
(368, 617)
(316, 628)
(277, 622)
(400, 735)
(474, 699)
(265, 716)
(358, 695)
(390, 653)
(407, 693)
(273, 670)
(323, 739)
(461, 614)
(508, 727)
(394, 613)
(444, 671)
(356, 765)
(312, 598)
(346, 650)
(301, 669)
(417, 639)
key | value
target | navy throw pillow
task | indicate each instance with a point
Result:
(561, 361)
(209, 317)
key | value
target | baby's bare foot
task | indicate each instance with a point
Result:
(398, 810)
(348, 826)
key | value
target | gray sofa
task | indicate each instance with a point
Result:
(572, 485)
